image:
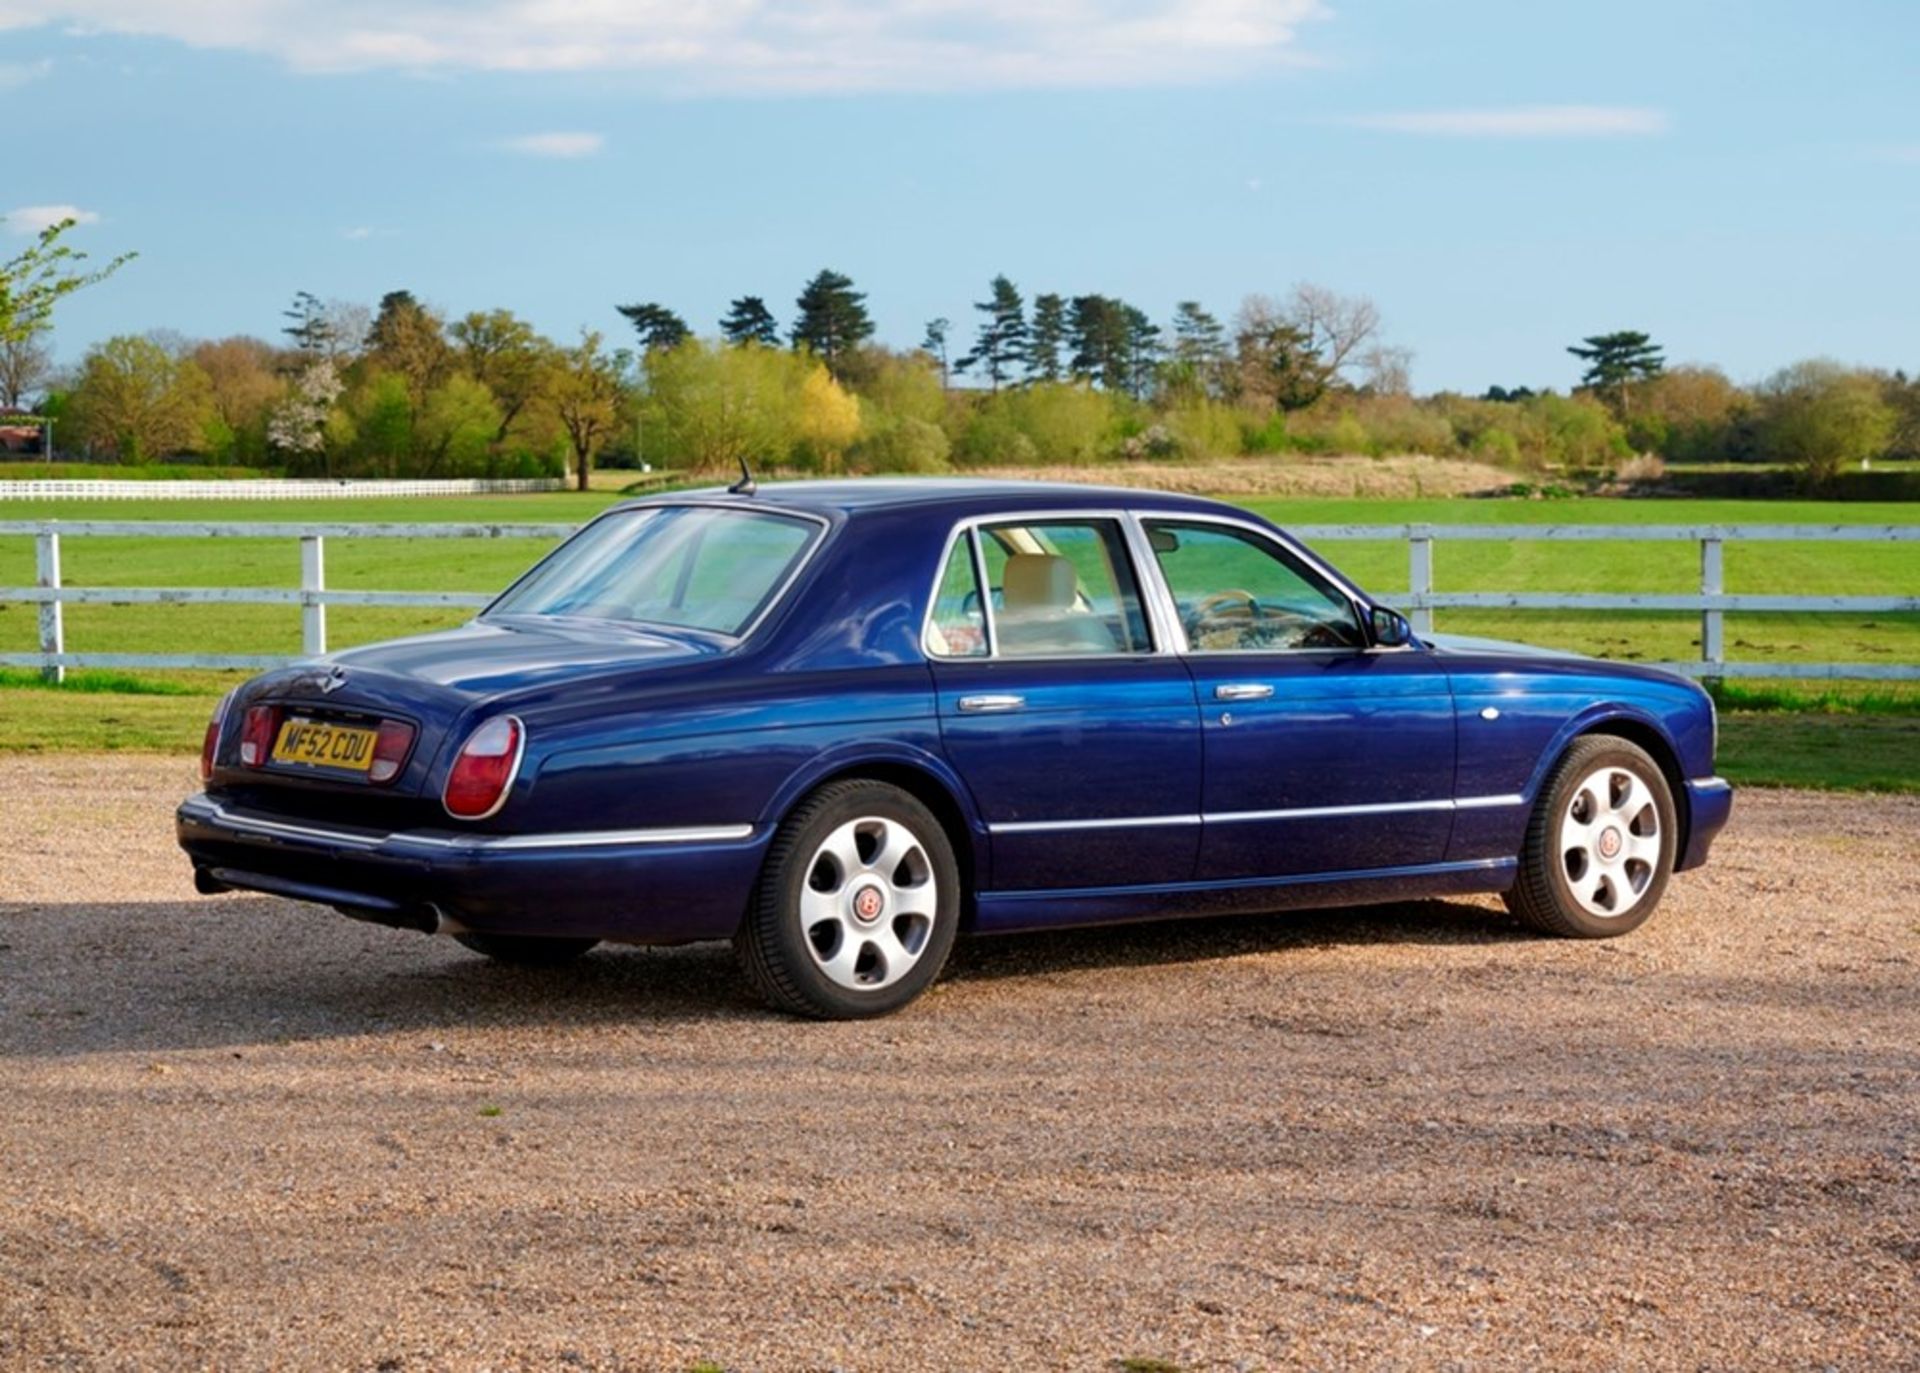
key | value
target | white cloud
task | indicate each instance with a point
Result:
(14, 74)
(751, 46)
(1523, 121)
(33, 219)
(556, 144)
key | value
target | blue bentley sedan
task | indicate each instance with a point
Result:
(837, 723)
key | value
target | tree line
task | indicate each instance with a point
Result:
(401, 389)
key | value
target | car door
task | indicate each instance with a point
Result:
(1076, 731)
(1321, 753)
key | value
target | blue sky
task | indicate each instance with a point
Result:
(1740, 179)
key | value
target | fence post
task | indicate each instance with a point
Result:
(53, 628)
(1420, 575)
(313, 578)
(1713, 650)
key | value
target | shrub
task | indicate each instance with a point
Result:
(905, 445)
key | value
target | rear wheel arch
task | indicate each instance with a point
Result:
(933, 793)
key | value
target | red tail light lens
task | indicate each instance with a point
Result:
(390, 751)
(256, 735)
(211, 743)
(484, 770)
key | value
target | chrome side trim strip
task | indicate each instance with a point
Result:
(1710, 784)
(1329, 812)
(1129, 822)
(593, 839)
(1237, 817)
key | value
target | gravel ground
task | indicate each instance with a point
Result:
(241, 1133)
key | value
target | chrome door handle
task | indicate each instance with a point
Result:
(988, 705)
(1242, 691)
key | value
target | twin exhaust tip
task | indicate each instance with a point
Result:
(423, 916)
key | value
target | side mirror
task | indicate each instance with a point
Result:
(1390, 628)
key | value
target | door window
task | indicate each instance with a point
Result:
(1062, 588)
(1239, 593)
(958, 626)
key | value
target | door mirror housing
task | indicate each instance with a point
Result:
(1390, 628)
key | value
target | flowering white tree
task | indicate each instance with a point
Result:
(297, 425)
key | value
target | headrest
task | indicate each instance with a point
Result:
(1035, 580)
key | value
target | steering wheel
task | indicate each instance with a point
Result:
(1211, 606)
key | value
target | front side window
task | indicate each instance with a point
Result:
(1062, 587)
(686, 567)
(1239, 593)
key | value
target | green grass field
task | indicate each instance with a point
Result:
(143, 719)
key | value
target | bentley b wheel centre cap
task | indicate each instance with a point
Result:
(868, 903)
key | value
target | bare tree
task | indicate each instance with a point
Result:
(1387, 370)
(1290, 353)
(1337, 327)
(26, 366)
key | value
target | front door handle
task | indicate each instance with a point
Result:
(990, 705)
(1242, 691)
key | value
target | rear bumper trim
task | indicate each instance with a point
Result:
(208, 811)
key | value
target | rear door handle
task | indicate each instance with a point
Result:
(1242, 691)
(990, 705)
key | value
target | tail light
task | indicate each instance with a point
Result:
(389, 751)
(484, 769)
(256, 735)
(211, 744)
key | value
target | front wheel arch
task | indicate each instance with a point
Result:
(1658, 747)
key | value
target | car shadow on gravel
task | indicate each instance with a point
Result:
(1158, 942)
(249, 971)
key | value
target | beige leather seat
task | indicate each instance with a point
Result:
(1037, 612)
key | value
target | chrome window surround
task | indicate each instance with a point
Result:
(1163, 612)
(774, 597)
(1160, 644)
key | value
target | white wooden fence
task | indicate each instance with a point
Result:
(267, 489)
(1712, 602)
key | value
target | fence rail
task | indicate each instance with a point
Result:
(1712, 602)
(265, 489)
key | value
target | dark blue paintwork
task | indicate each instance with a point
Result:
(1158, 794)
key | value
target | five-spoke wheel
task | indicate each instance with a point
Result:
(857, 906)
(1599, 847)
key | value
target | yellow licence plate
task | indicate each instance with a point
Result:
(313, 744)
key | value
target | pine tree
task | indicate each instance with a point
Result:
(657, 326)
(1046, 337)
(935, 343)
(1098, 332)
(750, 321)
(1615, 361)
(1001, 344)
(1143, 351)
(833, 319)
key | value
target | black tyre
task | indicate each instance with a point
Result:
(1600, 845)
(526, 951)
(857, 906)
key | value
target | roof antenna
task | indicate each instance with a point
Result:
(746, 486)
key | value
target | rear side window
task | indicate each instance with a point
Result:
(958, 626)
(1062, 588)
